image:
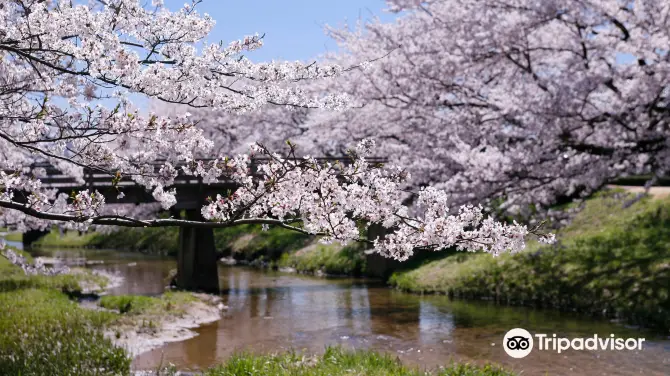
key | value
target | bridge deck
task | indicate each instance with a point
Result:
(191, 191)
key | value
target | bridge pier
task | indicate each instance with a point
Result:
(197, 263)
(377, 265)
(31, 236)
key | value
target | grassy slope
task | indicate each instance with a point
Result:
(609, 260)
(70, 239)
(249, 242)
(37, 313)
(268, 245)
(332, 259)
(150, 240)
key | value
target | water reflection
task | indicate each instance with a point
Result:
(271, 312)
(15, 244)
(142, 274)
(274, 312)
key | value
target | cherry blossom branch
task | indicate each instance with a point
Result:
(327, 199)
(124, 221)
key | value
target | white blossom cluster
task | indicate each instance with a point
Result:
(328, 199)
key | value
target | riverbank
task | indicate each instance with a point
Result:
(325, 260)
(145, 323)
(46, 331)
(246, 243)
(611, 261)
(76, 283)
(273, 312)
(275, 248)
(12, 236)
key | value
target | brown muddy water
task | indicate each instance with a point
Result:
(274, 312)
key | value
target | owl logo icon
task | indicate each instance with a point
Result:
(518, 343)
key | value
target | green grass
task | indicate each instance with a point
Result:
(259, 245)
(609, 261)
(157, 241)
(168, 303)
(338, 362)
(69, 239)
(330, 259)
(45, 333)
(162, 241)
(128, 304)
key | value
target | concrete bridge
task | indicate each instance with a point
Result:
(197, 261)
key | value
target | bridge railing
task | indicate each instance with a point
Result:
(93, 178)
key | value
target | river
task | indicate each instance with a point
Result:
(272, 312)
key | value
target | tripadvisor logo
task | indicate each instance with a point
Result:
(518, 343)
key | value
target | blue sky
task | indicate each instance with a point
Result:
(293, 28)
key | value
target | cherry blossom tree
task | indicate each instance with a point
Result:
(526, 102)
(70, 74)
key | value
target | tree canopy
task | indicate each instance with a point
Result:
(71, 73)
(526, 102)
